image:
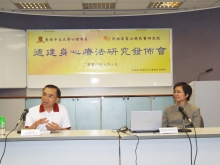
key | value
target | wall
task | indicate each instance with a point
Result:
(206, 97)
(196, 38)
(195, 35)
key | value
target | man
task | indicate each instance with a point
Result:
(49, 115)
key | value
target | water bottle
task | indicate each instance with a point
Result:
(2, 126)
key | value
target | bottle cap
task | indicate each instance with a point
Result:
(2, 119)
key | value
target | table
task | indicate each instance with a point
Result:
(101, 147)
(172, 149)
(62, 148)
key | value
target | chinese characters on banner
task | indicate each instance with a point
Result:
(126, 51)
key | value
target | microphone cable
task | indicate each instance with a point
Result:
(190, 147)
(194, 162)
(136, 147)
(23, 115)
(189, 141)
(119, 146)
(125, 129)
(196, 147)
(5, 143)
(119, 143)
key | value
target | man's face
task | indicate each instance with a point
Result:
(49, 98)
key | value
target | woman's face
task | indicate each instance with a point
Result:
(179, 94)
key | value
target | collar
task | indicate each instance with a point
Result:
(55, 108)
(184, 107)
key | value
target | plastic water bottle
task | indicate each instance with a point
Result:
(2, 126)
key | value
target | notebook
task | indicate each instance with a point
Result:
(146, 121)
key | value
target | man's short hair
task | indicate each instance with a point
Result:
(186, 88)
(55, 87)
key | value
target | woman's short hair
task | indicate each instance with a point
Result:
(186, 88)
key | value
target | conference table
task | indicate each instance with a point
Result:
(106, 147)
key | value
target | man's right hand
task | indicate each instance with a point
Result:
(42, 121)
(38, 122)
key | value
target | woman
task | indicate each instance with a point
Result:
(172, 117)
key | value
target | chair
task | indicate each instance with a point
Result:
(202, 123)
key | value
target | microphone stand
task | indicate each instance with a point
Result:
(24, 119)
(184, 129)
(201, 74)
(207, 71)
(183, 119)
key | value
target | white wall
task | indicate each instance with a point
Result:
(206, 95)
(12, 58)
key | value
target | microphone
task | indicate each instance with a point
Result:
(23, 115)
(207, 71)
(186, 115)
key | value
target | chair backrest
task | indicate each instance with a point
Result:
(202, 123)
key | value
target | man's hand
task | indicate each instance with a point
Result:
(38, 122)
(42, 121)
(53, 126)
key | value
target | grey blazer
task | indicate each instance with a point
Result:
(172, 116)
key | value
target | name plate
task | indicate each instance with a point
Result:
(30, 132)
(168, 130)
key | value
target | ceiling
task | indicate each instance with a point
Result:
(122, 7)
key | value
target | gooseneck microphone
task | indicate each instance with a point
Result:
(22, 116)
(207, 71)
(186, 116)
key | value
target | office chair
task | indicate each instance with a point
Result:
(202, 123)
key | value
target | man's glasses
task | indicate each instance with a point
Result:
(48, 96)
